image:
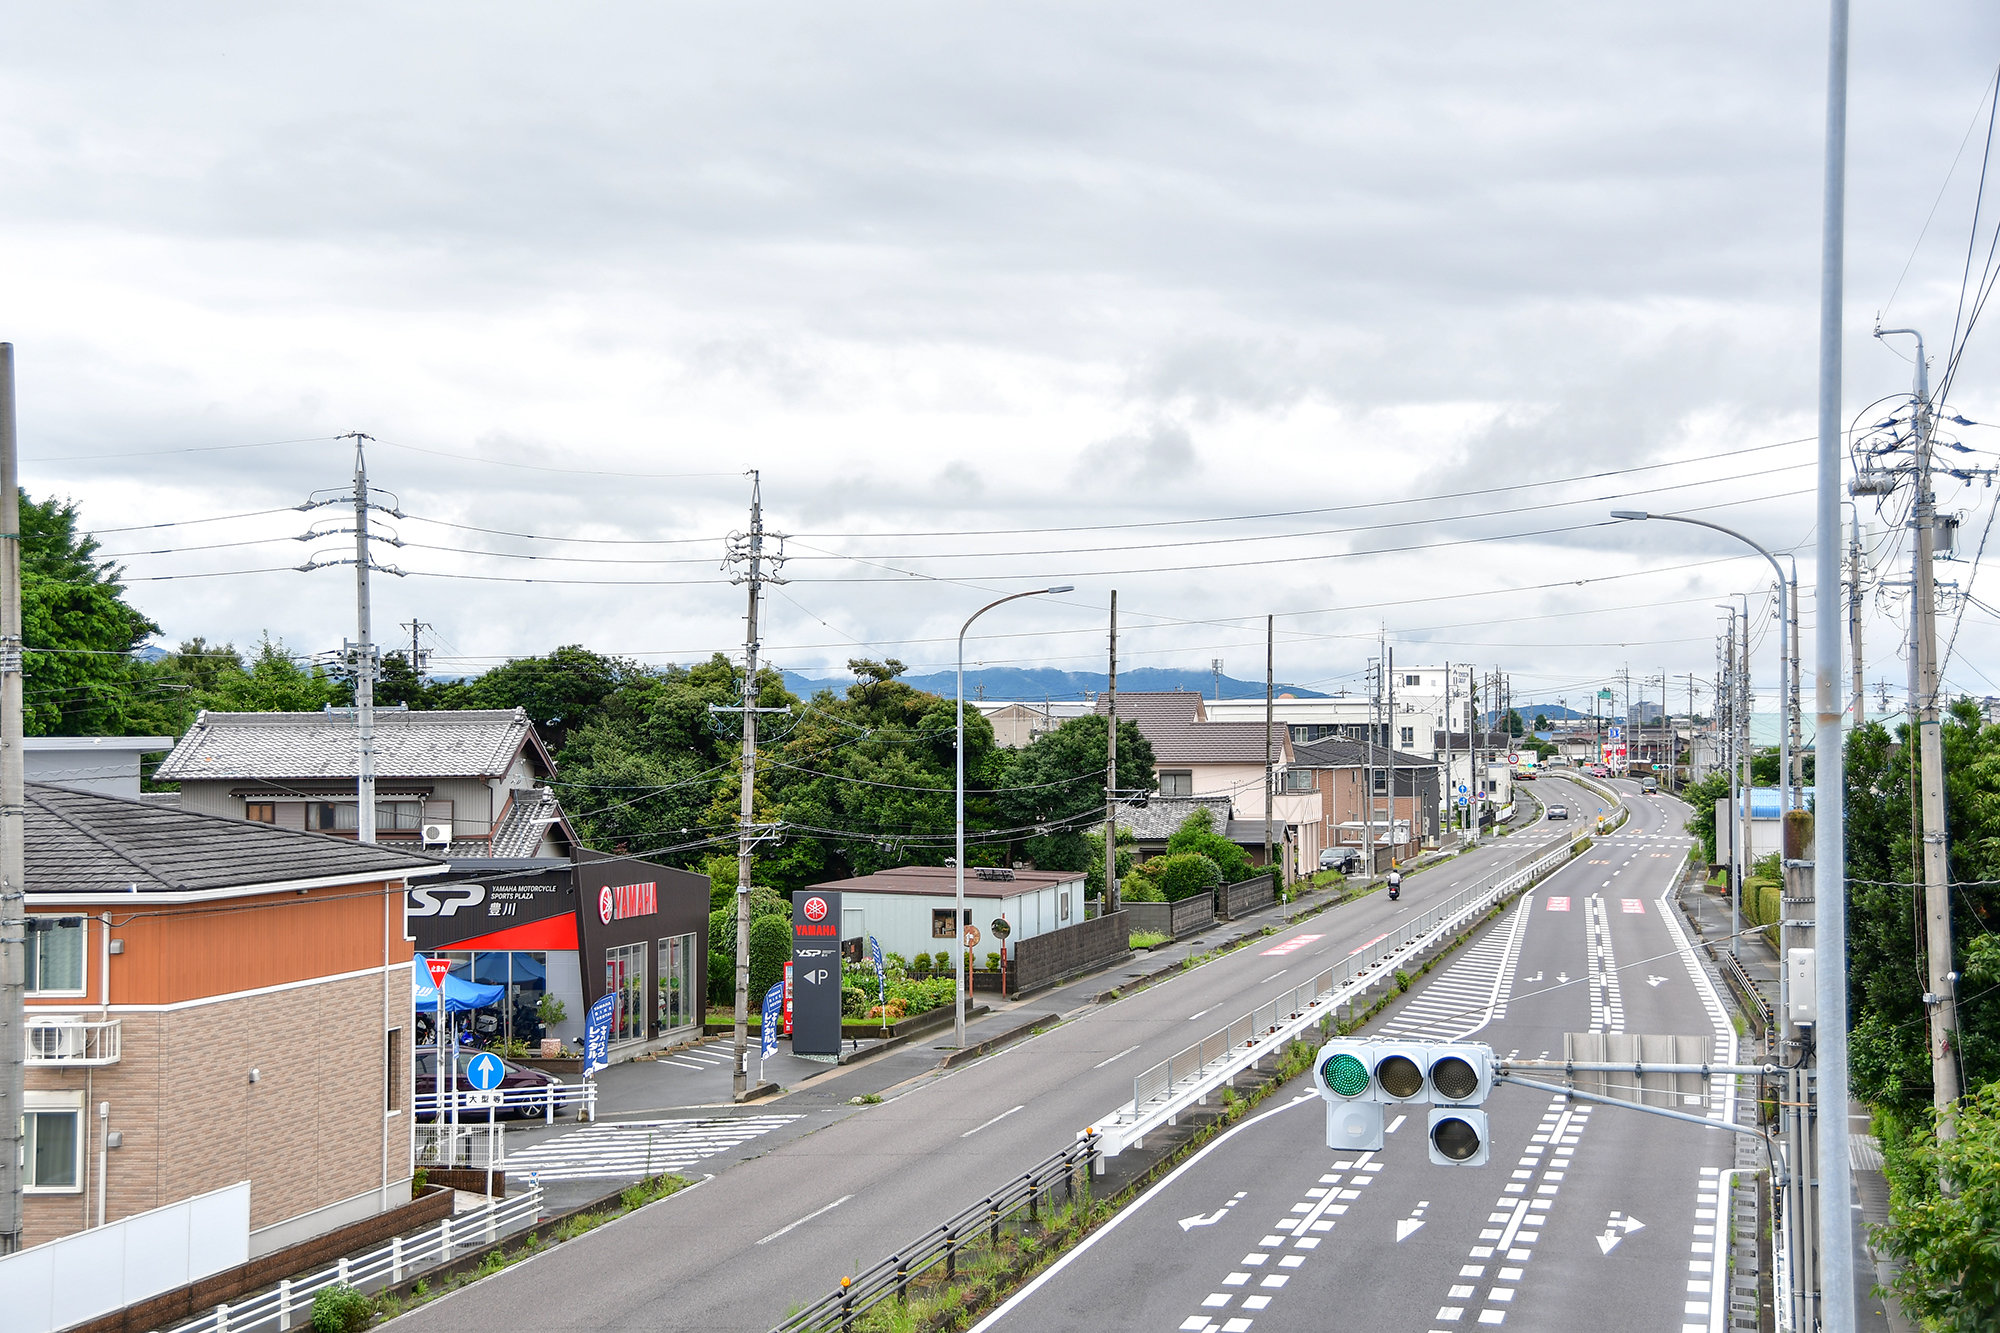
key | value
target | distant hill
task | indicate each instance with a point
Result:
(1038, 683)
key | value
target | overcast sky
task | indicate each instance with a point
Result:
(992, 295)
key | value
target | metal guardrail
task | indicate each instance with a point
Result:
(549, 1098)
(890, 1279)
(1186, 1078)
(289, 1304)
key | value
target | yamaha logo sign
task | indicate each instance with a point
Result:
(604, 904)
(815, 909)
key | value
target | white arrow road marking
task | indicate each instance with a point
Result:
(1563, 977)
(1536, 977)
(994, 1121)
(1407, 1226)
(1654, 981)
(1616, 1230)
(1190, 1223)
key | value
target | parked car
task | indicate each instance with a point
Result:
(1346, 860)
(1555, 812)
(514, 1076)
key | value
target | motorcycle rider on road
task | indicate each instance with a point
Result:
(1395, 884)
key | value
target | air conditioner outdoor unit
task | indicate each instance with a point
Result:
(436, 834)
(62, 1039)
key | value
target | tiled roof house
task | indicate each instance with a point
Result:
(469, 778)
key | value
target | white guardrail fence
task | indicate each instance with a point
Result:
(289, 1304)
(1188, 1078)
(546, 1101)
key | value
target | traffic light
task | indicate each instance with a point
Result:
(1460, 1076)
(1343, 1074)
(1400, 1071)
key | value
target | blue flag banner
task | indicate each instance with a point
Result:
(881, 972)
(774, 1009)
(597, 1034)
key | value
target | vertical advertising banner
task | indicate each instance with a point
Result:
(597, 1034)
(815, 973)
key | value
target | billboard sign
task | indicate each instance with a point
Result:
(815, 973)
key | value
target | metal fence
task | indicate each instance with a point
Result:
(890, 1279)
(289, 1304)
(547, 1099)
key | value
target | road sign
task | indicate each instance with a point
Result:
(1462, 789)
(1513, 758)
(486, 1099)
(1614, 733)
(816, 975)
(484, 1071)
(1462, 802)
(1001, 928)
(439, 968)
(972, 937)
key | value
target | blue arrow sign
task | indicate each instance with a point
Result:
(484, 1071)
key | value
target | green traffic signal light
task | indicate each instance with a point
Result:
(1345, 1075)
(1399, 1076)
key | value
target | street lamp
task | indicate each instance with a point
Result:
(958, 861)
(1784, 634)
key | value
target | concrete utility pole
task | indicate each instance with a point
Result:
(760, 566)
(1854, 618)
(1942, 998)
(1747, 752)
(1795, 703)
(1111, 766)
(1392, 733)
(13, 851)
(364, 651)
(1270, 755)
(1449, 816)
(1836, 1185)
(418, 657)
(1726, 696)
(1368, 769)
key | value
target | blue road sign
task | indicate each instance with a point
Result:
(1462, 801)
(1614, 733)
(1462, 789)
(484, 1071)
(597, 1034)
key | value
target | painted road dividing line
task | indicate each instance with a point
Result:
(1101, 1063)
(1357, 948)
(994, 1121)
(1275, 975)
(809, 1216)
(1191, 1017)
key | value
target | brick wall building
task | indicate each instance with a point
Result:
(220, 1000)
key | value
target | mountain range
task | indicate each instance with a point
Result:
(1039, 683)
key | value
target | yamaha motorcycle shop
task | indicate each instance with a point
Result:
(545, 941)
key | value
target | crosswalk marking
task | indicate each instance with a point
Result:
(637, 1147)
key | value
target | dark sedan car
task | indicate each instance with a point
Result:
(517, 1077)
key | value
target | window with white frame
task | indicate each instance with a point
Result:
(53, 1153)
(1298, 779)
(1412, 681)
(1176, 784)
(55, 955)
(1409, 736)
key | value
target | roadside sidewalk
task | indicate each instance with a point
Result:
(1758, 958)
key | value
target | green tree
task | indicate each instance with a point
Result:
(1945, 1238)
(1541, 722)
(1184, 874)
(1056, 782)
(79, 633)
(1514, 724)
(1197, 835)
(560, 692)
(1701, 798)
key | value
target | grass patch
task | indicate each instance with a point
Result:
(1144, 939)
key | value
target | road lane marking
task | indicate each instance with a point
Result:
(809, 1216)
(996, 1119)
(1633, 906)
(1298, 942)
(1131, 1210)
(1191, 1017)
(1120, 1056)
(1275, 975)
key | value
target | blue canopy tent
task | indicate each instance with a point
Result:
(460, 995)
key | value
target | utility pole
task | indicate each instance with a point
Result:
(13, 851)
(418, 657)
(364, 651)
(1392, 734)
(1270, 756)
(1748, 751)
(1942, 999)
(1450, 802)
(748, 549)
(1725, 696)
(1854, 617)
(1796, 712)
(1368, 769)
(1111, 766)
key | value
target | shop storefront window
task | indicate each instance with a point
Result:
(678, 995)
(625, 977)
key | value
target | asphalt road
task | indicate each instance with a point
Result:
(1269, 1230)
(782, 1228)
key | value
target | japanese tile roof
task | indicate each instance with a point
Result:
(82, 842)
(1180, 732)
(528, 816)
(469, 743)
(1337, 752)
(1163, 814)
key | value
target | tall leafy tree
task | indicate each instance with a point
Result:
(1056, 782)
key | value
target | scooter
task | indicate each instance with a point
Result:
(1395, 887)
